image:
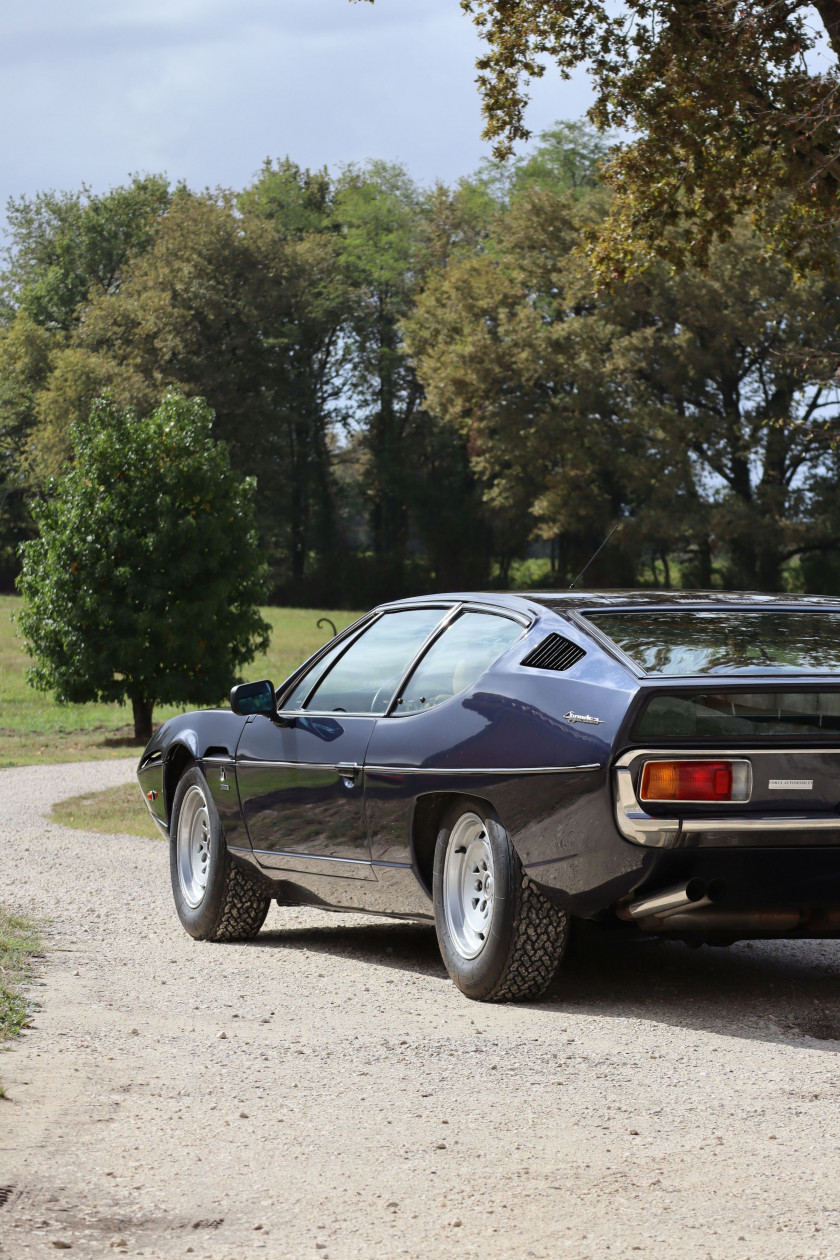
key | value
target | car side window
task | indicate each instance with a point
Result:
(296, 699)
(365, 678)
(454, 661)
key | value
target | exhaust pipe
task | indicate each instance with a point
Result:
(720, 919)
(683, 898)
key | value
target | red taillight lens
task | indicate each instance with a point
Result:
(687, 781)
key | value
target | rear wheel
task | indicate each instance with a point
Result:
(500, 938)
(215, 899)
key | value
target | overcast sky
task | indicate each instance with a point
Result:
(204, 90)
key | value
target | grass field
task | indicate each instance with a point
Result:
(115, 811)
(18, 944)
(34, 729)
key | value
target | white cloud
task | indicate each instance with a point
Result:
(205, 89)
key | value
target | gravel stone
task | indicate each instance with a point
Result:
(722, 1061)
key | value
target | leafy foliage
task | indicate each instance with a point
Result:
(684, 406)
(723, 100)
(143, 582)
(431, 383)
(65, 246)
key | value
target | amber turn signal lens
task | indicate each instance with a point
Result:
(687, 781)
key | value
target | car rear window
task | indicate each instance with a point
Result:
(750, 714)
(685, 642)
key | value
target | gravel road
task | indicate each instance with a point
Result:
(326, 1092)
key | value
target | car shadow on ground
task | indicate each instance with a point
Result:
(779, 991)
(755, 990)
(391, 943)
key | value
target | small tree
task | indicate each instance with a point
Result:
(143, 583)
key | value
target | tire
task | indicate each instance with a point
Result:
(500, 938)
(215, 899)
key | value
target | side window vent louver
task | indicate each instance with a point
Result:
(554, 652)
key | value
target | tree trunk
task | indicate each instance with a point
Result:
(143, 710)
(666, 566)
(829, 11)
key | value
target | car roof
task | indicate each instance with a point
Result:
(577, 600)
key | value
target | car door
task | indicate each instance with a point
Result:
(302, 783)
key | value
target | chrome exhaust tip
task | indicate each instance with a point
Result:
(682, 898)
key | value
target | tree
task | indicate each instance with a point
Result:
(681, 404)
(725, 107)
(143, 582)
(380, 213)
(24, 368)
(233, 307)
(64, 247)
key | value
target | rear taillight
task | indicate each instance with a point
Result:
(695, 781)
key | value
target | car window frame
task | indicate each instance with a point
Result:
(447, 611)
(509, 614)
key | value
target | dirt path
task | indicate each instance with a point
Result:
(326, 1092)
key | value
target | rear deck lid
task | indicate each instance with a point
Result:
(790, 737)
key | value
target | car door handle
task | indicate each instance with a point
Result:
(349, 771)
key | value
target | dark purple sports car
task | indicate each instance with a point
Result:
(664, 763)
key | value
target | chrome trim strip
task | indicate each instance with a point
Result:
(793, 822)
(311, 857)
(318, 857)
(338, 714)
(676, 754)
(639, 827)
(471, 770)
(483, 769)
(289, 765)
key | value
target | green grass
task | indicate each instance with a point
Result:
(35, 729)
(19, 943)
(115, 811)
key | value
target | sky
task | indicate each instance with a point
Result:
(205, 90)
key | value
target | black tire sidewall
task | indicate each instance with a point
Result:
(478, 977)
(200, 921)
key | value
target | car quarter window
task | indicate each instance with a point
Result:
(364, 679)
(454, 661)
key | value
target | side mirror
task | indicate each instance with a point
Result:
(255, 697)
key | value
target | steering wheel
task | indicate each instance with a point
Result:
(385, 691)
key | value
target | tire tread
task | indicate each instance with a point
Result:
(539, 940)
(243, 909)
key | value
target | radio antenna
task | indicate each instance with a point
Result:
(591, 558)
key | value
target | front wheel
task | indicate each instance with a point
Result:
(500, 938)
(215, 900)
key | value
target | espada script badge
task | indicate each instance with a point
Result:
(586, 718)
